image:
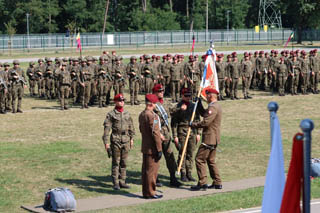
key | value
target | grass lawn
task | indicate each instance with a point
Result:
(45, 148)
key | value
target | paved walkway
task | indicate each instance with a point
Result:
(110, 201)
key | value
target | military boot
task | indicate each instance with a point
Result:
(116, 185)
(190, 178)
(124, 185)
(184, 177)
(174, 182)
(100, 104)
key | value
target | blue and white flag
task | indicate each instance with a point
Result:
(275, 177)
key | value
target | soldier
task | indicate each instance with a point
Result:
(85, 77)
(56, 73)
(101, 79)
(181, 116)
(234, 73)
(211, 125)
(261, 66)
(272, 67)
(16, 77)
(32, 78)
(148, 75)
(65, 83)
(167, 75)
(3, 90)
(155, 68)
(162, 110)
(304, 75)
(121, 140)
(40, 70)
(246, 67)
(294, 74)
(314, 66)
(176, 80)
(118, 71)
(151, 147)
(142, 80)
(75, 72)
(49, 82)
(192, 74)
(134, 78)
(108, 67)
(8, 98)
(92, 67)
(221, 72)
(282, 74)
(228, 79)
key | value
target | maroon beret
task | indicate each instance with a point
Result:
(157, 88)
(118, 97)
(211, 90)
(152, 98)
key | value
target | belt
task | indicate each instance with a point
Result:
(211, 147)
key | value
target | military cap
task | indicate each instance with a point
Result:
(291, 52)
(250, 53)
(266, 53)
(256, 52)
(101, 58)
(104, 52)
(219, 55)
(203, 56)
(94, 59)
(246, 55)
(276, 52)
(113, 51)
(297, 51)
(31, 63)
(152, 98)
(186, 91)
(133, 58)
(46, 59)
(229, 56)
(89, 58)
(64, 59)
(164, 57)
(157, 88)
(40, 60)
(49, 60)
(84, 60)
(117, 58)
(190, 56)
(234, 54)
(169, 55)
(181, 56)
(287, 51)
(118, 97)
(272, 51)
(153, 56)
(211, 90)
(147, 56)
(303, 52)
(196, 56)
(6, 64)
(261, 52)
(315, 50)
(64, 64)
(57, 59)
(75, 59)
(80, 58)
(16, 62)
(141, 57)
(175, 58)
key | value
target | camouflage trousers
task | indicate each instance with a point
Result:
(175, 90)
(49, 88)
(187, 163)
(281, 84)
(40, 84)
(119, 162)
(2, 99)
(32, 85)
(64, 92)
(134, 89)
(85, 93)
(17, 92)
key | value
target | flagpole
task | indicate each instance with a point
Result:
(273, 108)
(306, 126)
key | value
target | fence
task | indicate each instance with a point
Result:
(138, 39)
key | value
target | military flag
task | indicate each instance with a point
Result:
(290, 37)
(275, 177)
(292, 191)
(79, 42)
(209, 78)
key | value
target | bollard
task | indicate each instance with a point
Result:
(273, 108)
(306, 126)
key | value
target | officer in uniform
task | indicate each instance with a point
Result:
(148, 75)
(294, 70)
(305, 69)
(17, 81)
(234, 73)
(151, 147)
(176, 80)
(32, 79)
(133, 73)
(228, 79)
(167, 75)
(75, 72)
(211, 125)
(314, 66)
(65, 83)
(101, 79)
(121, 140)
(192, 74)
(162, 110)
(85, 77)
(246, 67)
(3, 91)
(181, 116)
(261, 66)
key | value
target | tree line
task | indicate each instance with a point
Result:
(60, 16)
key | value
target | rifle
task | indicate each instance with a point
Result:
(3, 83)
(20, 78)
(121, 80)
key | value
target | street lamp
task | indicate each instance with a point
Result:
(28, 30)
(228, 11)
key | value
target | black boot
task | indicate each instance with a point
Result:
(174, 182)
(190, 178)
(184, 177)
(158, 183)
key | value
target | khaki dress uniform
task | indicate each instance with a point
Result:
(122, 131)
(149, 125)
(211, 124)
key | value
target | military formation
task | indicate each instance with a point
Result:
(89, 81)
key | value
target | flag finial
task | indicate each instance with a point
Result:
(307, 125)
(273, 106)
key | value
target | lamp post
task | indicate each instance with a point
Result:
(28, 44)
(228, 11)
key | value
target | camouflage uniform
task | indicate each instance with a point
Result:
(40, 70)
(65, 83)
(134, 78)
(49, 82)
(176, 76)
(246, 67)
(74, 74)
(3, 91)
(122, 132)
(86, 75)
(118, 71)
(8, 95)
(32, 79)
(192, 74)
(294, 70)
(221, 72)
(282, 74)
(148, 75)
(17, 80)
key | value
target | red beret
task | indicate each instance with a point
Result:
(250, 53)
(276, 52)
(153, 56)
(272, 51)
(211, 90)
(118, 97)
(203, 56)
(186, 91)
(164, 57)
(190, 56)
(157, 88)
(234, 53)
(219, 55)
(261, 52)
(246, 54)
(169, 55)
(256, 52)
(315, 50)
(158, 57)
(151, 98)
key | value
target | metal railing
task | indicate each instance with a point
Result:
(141, 39)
